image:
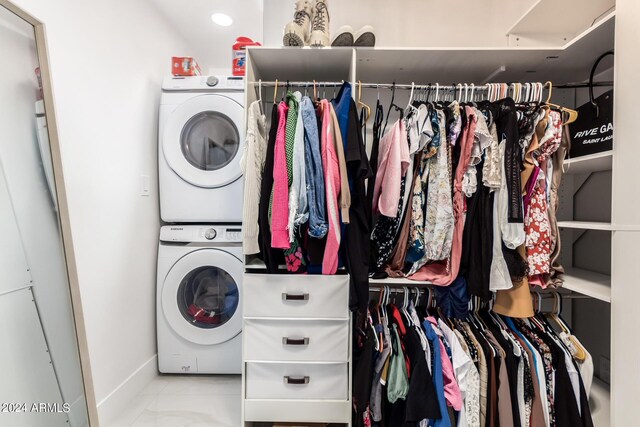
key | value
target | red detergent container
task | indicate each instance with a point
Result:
(240, 54)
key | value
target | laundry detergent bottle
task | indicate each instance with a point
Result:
(239, 52)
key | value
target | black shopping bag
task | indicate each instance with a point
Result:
(592, 132)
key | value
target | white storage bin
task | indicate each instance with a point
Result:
(327, 381)
(308, 296)
(297, 340)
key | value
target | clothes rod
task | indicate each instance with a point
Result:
(397, 289)
(323, 84)
(582, 85)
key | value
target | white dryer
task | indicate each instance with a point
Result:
(201, 140)
(199, 299)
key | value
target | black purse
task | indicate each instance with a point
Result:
(592, 132)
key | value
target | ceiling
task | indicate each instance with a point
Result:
(209, 43)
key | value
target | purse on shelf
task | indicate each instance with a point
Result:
(592, 132)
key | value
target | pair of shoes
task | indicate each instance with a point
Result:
(310, 25)
(363, 37)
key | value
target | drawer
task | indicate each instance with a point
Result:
(279, 295)
(296, 340)
(300, 412)
(327, 381)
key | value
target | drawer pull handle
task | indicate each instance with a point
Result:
(295, 297)
(295, 341)
(296, 380)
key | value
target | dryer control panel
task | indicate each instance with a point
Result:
(201, 233)
(200, 83)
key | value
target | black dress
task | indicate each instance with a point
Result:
(357, 241)
(422, 401)
(271, 257)
(477, 240)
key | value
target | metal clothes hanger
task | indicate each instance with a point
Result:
(391, 105)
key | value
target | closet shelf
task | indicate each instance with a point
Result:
(565, 18)
(586, 225)
(399, 281)
(588, 283)
(590, 163)
(560, 64)
(302, 63)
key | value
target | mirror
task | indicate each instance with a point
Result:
(40, 366)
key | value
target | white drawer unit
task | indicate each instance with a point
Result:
(303, 340)
(305, 381)
(309, 296)
(296, 349)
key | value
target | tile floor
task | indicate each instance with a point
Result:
(193, 401)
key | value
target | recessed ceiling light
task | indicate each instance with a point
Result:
(222, 19)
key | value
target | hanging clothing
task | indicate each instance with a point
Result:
(271, 256)
(280, 196)
(252, 166)
(298, 209)
(332, 188)
(357, 234)
(443, 273)
(393, 162)
(345, 192)
(314, 173)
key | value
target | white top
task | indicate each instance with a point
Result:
(252, 165)
(467, 377)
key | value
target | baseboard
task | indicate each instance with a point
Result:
(112, 406)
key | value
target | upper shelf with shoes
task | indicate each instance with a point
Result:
(569, 63)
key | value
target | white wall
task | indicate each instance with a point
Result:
(35, 218)
(414, 23)
(209, 43)
(107, 62)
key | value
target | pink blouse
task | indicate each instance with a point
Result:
(451, 389)
(393, 162)
(280, 195)
(332, 189)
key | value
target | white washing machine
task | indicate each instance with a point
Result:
(201, 140)
(199, 299)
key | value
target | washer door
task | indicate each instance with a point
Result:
(202, 140)
(201, 296)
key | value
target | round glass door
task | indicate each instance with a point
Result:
(209, 141)
(202, 296)
(208, 297)
(203, 139)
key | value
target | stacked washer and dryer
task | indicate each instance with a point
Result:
(199, 285)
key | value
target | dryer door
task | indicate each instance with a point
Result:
(201, 296)
(203, 140)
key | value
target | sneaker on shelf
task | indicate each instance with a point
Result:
(344, 37)
(320, 25)
(296, 32)
(365, 37)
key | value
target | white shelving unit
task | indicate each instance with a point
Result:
(546, 20)
(565, 62)
(588, 283)
(586, 225)
(590, 163)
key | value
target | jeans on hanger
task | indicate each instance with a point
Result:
(313, 171)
